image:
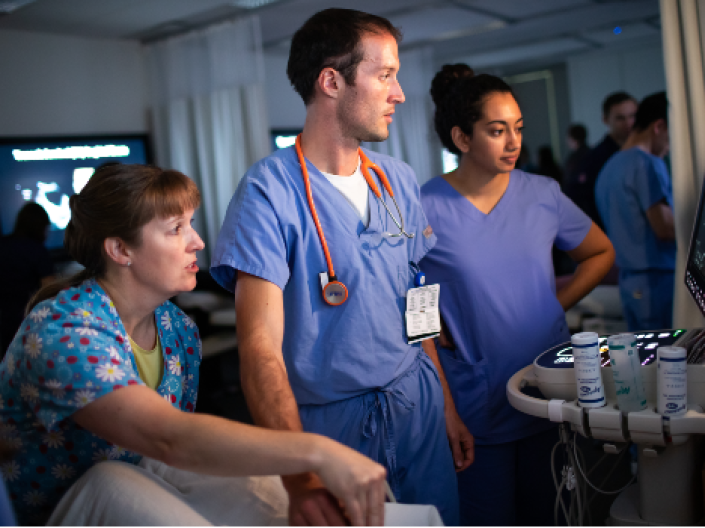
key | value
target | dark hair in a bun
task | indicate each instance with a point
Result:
(459, 96)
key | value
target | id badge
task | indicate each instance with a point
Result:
(423, 317)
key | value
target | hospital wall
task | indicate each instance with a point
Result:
(284, 106)
(637, 70)
(62, 85)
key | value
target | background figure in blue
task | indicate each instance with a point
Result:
(343, 371)
(635, 200)
(25, 267)
(618, 111)
(496, 226)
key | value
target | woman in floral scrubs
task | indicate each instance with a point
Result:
(74, 388)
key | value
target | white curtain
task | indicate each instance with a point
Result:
(683, 23)
(209, 112)
(411, 135)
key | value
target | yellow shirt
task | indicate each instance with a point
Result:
(150, 363)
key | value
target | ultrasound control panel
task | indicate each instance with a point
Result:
(561, 356)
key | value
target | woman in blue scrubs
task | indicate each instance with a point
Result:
(496, 227)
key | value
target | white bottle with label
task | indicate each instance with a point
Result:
(586, 365)
(672, 381)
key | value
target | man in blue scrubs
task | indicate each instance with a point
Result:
(343, 371)
(635, 200)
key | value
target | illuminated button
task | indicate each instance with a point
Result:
(640, 336)
(648, 336)
(651, 346)
(665, 334)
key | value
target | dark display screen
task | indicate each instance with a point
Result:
(695, 265)
(49, 171)
(561, 356)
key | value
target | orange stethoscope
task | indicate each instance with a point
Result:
(335, 292)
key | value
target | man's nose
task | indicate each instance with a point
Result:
(397, 94)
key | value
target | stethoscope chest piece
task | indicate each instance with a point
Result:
(335, 293)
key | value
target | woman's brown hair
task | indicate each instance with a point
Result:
(118, 201)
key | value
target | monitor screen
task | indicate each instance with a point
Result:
(283, 138)
(49, 170)
(695, 265)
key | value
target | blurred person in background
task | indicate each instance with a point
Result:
(547, 164)
(579, 149)
(524, 161)
(635, 200)
(618, 113)
(25, 267)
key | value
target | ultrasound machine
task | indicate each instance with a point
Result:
(668, 486)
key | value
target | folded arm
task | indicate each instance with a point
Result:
(595, 256)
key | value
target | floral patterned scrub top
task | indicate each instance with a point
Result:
(71, 350)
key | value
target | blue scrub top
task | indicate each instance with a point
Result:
(331, 353)
(498, 292)
(630, 183)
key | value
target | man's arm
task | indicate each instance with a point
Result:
(660, 217)
(259, 305)
(260, 332)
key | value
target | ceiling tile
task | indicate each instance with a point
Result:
(436, 23)
(501, 57)
(516, 9)
(612, 35)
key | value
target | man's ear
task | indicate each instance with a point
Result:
(116, 250)
(329, 82)
(660, 126)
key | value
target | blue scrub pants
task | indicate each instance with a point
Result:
(647, 298)
(402, 426)
(510, 484)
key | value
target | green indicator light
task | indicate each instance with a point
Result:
(678, 332)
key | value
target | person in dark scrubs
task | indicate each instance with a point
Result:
(579, 149)
(496, 226)
(25, 266)
(618, 113)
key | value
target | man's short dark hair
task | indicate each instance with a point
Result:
(578, 133)
(331, 39)
(614, 99)
(652, 108)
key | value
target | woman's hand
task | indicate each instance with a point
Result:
(357, 481)
(462, 443)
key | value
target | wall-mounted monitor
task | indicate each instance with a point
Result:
(49, 170)
(284, 137)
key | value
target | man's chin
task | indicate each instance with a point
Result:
(375, 137)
